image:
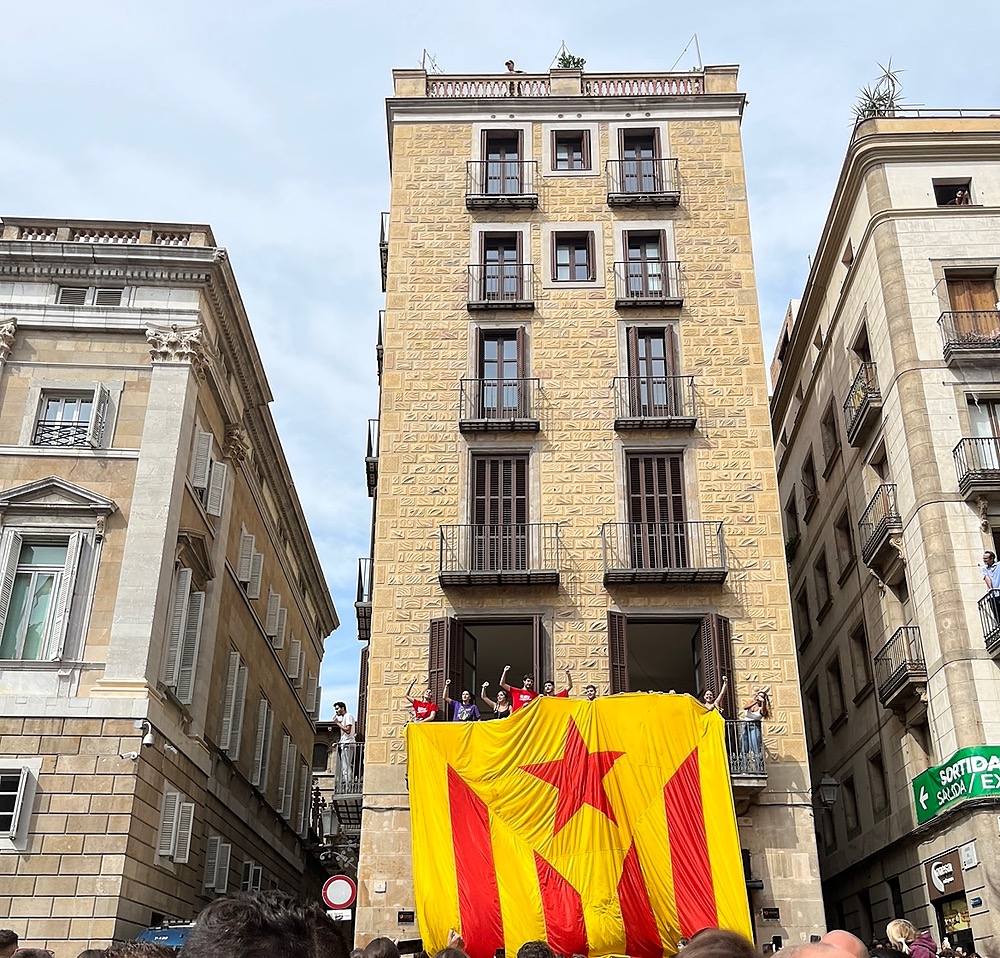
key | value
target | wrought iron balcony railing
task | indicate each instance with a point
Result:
(363, 604)
(649, 402)
(349, 780)
(977, 462)
(648, 283)
(970, 331)
(745, 747)
(516, 554)
(371, 457)
(491, 405)
(863, 401)
(989, 616)
(880, 519)
(649, 182)
(501, 183)
(57, 433)
(383, 247)
(379, 348)
(663, 552)
(502, 286)
(899, 665)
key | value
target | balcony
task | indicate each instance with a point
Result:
(371, 457)
(747, 763)
(501, 286)
(348, 784)
(863, 403)
(652, 402)
(651, 182)
(881, 530)
(516, 554)
(648, 283)
(498, 405)
(55, 432)
(977, 462)
(383, 248)
(989, 615)
(668, 552)
(568, 83)
(379, 348)
(900, 670)
(971, 336)
(501, 184)
(363, 604)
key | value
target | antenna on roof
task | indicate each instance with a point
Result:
(687, 46)
(429, 58)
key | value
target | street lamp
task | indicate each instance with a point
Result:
(829, 789)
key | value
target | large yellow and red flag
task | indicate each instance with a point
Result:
(602, 827)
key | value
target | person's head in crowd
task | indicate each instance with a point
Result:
(503, 699)
(381, 948)
(535, 949)
(845, 941)
(8, 942)
(719, 943)
(528, 682)
(263, 924)
(33, 953)
(139, 949)
(900, 933)
(548, 688)
(93, 953)
(883, 951)
(590, 691)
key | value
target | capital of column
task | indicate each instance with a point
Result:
(7, 331)
(177, 344)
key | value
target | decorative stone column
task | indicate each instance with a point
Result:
(7, 332)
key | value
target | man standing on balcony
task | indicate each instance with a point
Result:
(991, 576)
(549, 688)
(522, 696)
(348, 754)
(424, 710)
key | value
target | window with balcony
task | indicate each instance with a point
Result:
(503, 155)
(972, 323)
(654, 390)
(499, 537)
(572, 257)
(73, 418)
(830, 436)
(656, 511)
(809, 489)
(835, 693)
(639, 150)
(571, 150)
(501, 278)
(646, 276)
(501, 373)
(822, 578)
(977, 458)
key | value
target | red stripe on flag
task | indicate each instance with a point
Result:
(642, 937)
(565, 930)
(694, 890)
(478, 895)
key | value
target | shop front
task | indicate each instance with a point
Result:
(946, 892)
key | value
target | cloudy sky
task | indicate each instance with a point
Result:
(265, 118)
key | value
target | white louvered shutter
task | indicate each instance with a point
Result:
(294, 652)
(175, 628)
(287, 776)
(64, 596)
(216, 489)
(185, 826)
(279, 632)
(300, 670)
(168, 824)
(239, 704)
(247, 542)
(319, 697)
(222, 869)
(211, 861)
(98, 425)
(228, 702)
(304, 799)
(257, 773)
(189, 648)
(273, 608)
(201, 457)
(256, 571)
(256, 877)
(311, 694)
(12, 542)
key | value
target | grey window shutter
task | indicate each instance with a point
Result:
(294, 653)
(273, 606)
(256, 571)
(239, 705)
(175, 627)
(260, 744)
(189, 648)
(8, 563)
(279, 632)
(185, 825)
(228, 703)
(201, 457)
(222, 869)
(211, 861)
(168, 824)
(64, 596)
(216, 489)
(243, 564)
(97, 427)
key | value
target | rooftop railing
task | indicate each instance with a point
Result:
(466, 86)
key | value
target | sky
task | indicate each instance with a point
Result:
(266, 120)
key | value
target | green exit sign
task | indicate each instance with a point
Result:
(969, 773)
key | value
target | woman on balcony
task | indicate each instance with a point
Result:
(501, 707)
(464, 711)
(754, 713)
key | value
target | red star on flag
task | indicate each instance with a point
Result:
(579, 776)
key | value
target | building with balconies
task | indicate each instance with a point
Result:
(574, 464)
(164, 610)
(886, 413)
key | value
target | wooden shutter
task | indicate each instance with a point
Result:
(273, 605)
(294, 658)
(362, 696)
(201, 457)
(972, 294)
(311, 694)
(185, 826)
(188, 658)
(618, 651)
(279, 630)
(64, 596)
(656, 488)
(168, 824)
(284, 787)
(175, 629)
(247, 543)
(216, 489)
(222, 869)
(8, 563)
(239, 705)
(538, 650)
(717, 659)
(258, 770)
(289, 776)
(304, 799)
(256, 571)
(225, 733)
(300, 669)
(98, 424)
(445, 658)
(211, 861)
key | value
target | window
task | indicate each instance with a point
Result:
(814, 718)
(312, 695)
(835, 690)
(276, 622)
(571, 150)
(953, 191)
(286, 784)
(657, 531)
(809, 485)
(502, 278)
(830, 436)
(184, 636)
(654, 389)
(84, 296)
(803, 620)
(253, 875)
(877, 783)
(73, 418)
(823, 600)
(843, 537)
(827, 829)
(973, 301)
(573, 257)
(502, 150)
(176, 824)
(639, 169)
(501, 368)
(218, 855)
(792, 518)
(305, 798)
(860, 658)
(262, 744)
(644, 265)
(13, 783)
(250, 565)
(850, 797)
(499, 537)
(208, 475)
(233, 705)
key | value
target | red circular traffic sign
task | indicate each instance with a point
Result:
(339, 892)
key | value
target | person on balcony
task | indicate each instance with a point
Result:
(990, 570)
(590, 692)
(501, 707)
(522, 696)
(424, 710)
(549, 688)
(465, 710)
(713, 701)
(751, 722)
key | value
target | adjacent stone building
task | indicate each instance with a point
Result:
(162, 608)
(572, 465)
(886, 413)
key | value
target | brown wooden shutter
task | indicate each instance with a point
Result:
(522, 353)
(618, 651)
(670, 349)
(972, 294)
(717, 659)
(362, 695)
(537, 650)
(455, 655)
(437, 656)
(632, 336)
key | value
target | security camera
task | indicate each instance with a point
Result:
(133, 756)
(148, 740)
(144, 725)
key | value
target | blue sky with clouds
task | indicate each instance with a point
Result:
(266, 120)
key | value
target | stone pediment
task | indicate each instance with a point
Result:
(54, 495)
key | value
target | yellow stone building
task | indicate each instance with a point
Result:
(572, 464)
(162, 608)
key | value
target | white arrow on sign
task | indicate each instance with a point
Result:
(923, 798)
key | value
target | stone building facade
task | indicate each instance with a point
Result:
(163, 610)
(887, 386)
(572, 464)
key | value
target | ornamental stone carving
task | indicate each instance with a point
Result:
(7, 331)
(177, 344)
(235, 445)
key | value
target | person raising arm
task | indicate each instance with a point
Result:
(424, 710)
(522, 696)
(465, 710)
(501, 707)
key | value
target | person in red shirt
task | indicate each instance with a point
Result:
(549, 688)
(423, 709)
(522, 696)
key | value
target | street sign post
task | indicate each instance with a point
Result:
(969, 773)
(339, 892)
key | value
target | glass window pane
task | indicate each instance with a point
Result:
(38, 615)
(42, 554)
(15, 616)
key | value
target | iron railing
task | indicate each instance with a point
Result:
(371, 456)
(970, 330)
(881, 515)
(899, 661)
(663, 552)
(498, 403)
(363, 603)
(648, 283)
(653, 181)
(510, 285)
(666, 399)
(350, 768)
(501, 183)
(977, 461)
(989, 616)
(518, 552)
(863, 393)
(56, 433)
(383, 247)
(379, 348)
(745, 748)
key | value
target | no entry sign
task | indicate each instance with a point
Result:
(339, 892)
